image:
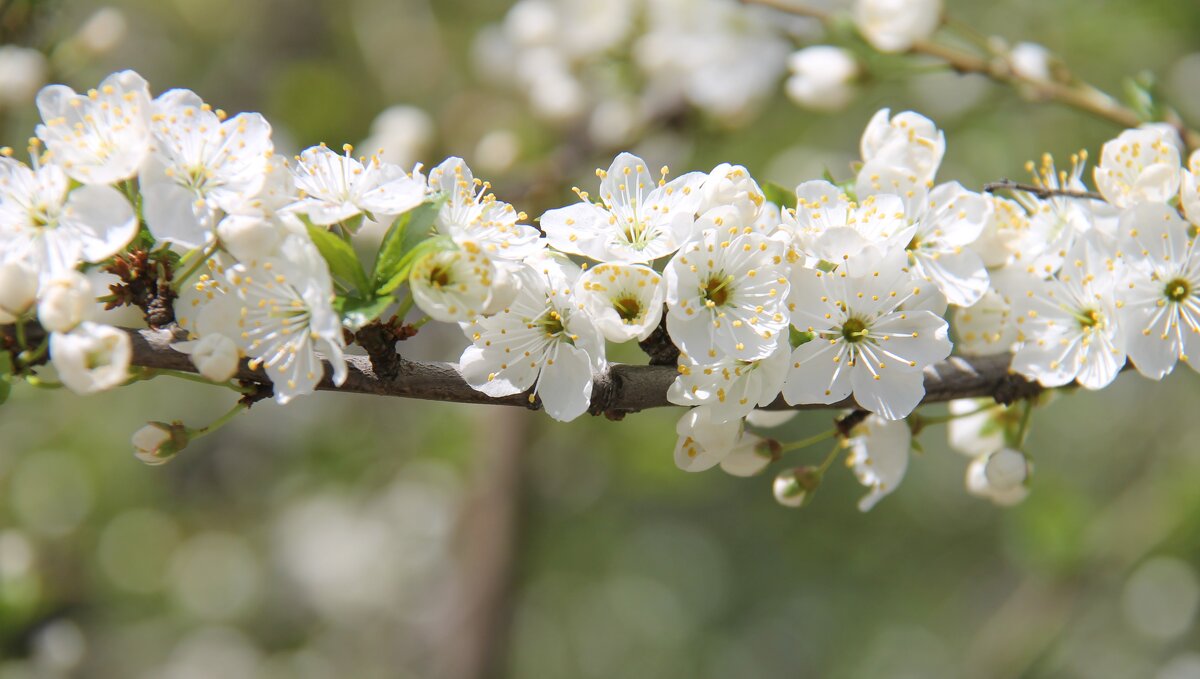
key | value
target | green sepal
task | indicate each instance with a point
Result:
(341, 258)
(798, 337)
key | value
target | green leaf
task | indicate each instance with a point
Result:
(405, 233)
(357, 312)
(405, 265)
(343, 262)
(779, 195)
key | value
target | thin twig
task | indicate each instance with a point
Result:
(1076, 95)
(1039, 191)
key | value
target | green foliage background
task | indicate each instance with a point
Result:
(318, 539)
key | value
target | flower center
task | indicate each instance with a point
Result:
(439, 276)
(1178, 290)
(1089, 318)
(628, 307)
(552, 325)
(854, 330)
(635, 233)
(716, 290)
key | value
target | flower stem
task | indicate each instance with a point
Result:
(177, 284)
(828, 461)
(218, 423)
(811, 440)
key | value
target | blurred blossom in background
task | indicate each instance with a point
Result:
(347, 536)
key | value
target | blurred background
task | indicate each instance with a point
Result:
(348, 536)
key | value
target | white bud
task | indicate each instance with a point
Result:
(793, 487)
(751, 455)
(732, 189)
(979, 485)
(498, 150)
(895, 25)
(158, 442)
(91, 358)
(822, 77)
(103, 31)
(65, 301)
(22, 74)
(216, 357)
(1006, 469)
(1030, 60)
(18, 290)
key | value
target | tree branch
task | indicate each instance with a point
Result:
(621, 390)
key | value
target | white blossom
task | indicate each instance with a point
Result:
(1138, 166)
(1160, 291)
(334, 187)
(865, 342)
(907, 141)
(732, 186)
(948, 219)
(832, 231)
(636, 220)
(52, 228)
(879, 456)
(731, 388)
(822, 77)
(540, 341)
(201, 163)
(453, 285)
(727, 294)
(1068, 324)
(100, 137)
(475, 220)
(624, 300)
(704, 440)
(92, 357)
(896, 25)
(286, 315)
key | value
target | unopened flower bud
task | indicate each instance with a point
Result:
(216, 357)
(22, 73)
(18, 290)
(794, 487)
(822, 78)
(1005, 469)
(103, 31)
(751, 456)
(158, 442)
(66, 301)
(895, 25)
(1030, 60)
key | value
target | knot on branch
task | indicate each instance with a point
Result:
(379, 341)
(606, 391)
(1013, 387)
(145, 283)
(659, 347)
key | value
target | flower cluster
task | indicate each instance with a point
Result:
(834, 294)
